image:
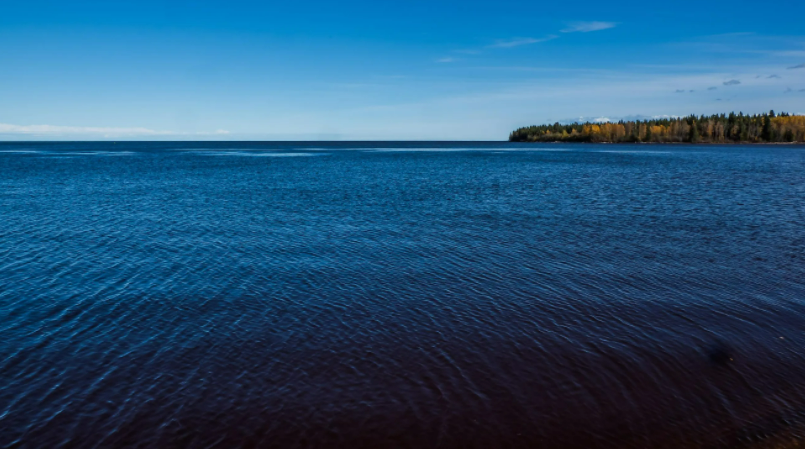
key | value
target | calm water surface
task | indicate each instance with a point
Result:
(401, 295)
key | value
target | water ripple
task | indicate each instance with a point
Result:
(411, 295)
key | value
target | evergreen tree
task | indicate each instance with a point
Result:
(694, 132)
(766, 134)
(744, 132)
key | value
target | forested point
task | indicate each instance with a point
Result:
(719, 128)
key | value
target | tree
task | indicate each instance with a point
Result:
(636, 132)
(767, 132)
(694, 132)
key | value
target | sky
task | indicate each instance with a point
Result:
(384, 70)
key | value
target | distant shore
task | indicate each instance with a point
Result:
(662, 143)
(737, 129)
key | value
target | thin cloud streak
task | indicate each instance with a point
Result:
(798, 66)
(586, 27)
(8, 128)
(521, 41)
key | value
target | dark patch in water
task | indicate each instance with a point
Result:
(721, 355)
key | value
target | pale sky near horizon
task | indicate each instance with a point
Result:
(359, 70)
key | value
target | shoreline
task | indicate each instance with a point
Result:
(665, 143)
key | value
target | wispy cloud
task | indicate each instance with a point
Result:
(501, 43)
(520, 41)
(712, 88)
(773, 77)
(798, 66)
(7, 128)
(605, 119)
(788, 53)
(583, 119)
(586, 27)
(731, 83)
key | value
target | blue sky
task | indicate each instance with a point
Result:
(365, 70)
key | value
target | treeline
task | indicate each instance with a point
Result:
(717, 128)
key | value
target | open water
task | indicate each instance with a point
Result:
(401, 295)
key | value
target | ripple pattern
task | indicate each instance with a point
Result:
(401, 295)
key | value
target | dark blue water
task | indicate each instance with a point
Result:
(401, 295)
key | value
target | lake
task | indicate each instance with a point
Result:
(381, 294)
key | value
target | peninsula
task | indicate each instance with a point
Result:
(719, 128)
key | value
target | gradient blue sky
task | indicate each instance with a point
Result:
(364, 70)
